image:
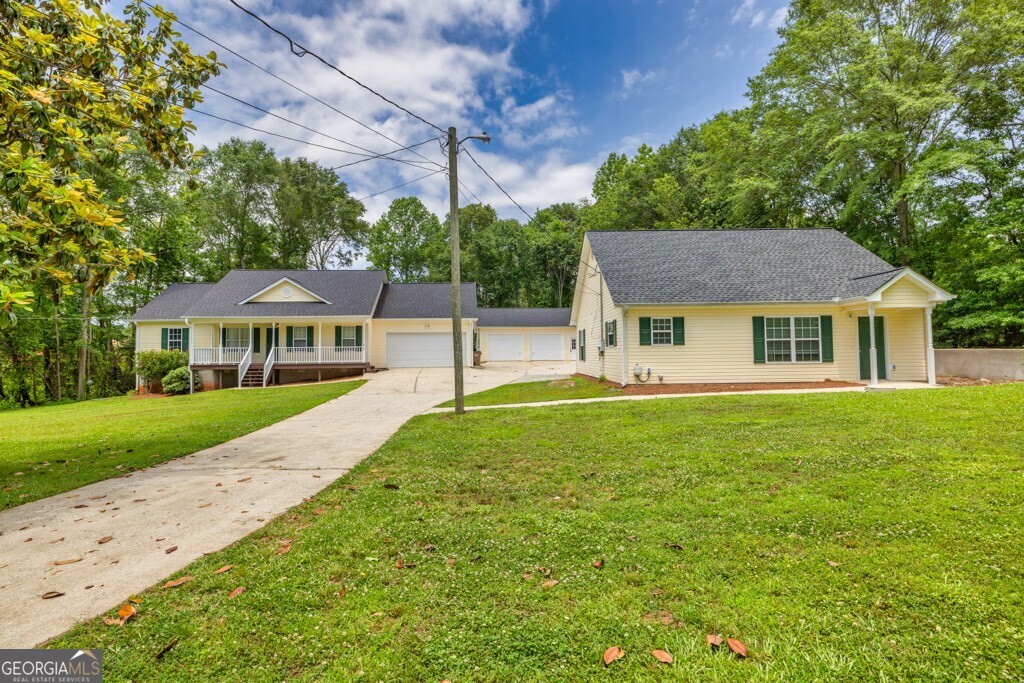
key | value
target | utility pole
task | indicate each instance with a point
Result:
(453, 211)
(453, 200)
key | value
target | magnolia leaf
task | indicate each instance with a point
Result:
(223, 569)
(612, 654)
(235, 593)
(737, 646)
(178, 582)
(662, 656)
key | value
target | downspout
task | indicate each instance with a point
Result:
(191, 345)
(625, 347)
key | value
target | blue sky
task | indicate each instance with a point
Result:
(559, 84)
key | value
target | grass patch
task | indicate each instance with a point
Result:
(59, 448)
(532, 392)
(711, 515)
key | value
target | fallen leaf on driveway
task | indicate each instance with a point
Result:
(205, 505)
(737, 646)
(52, 594)
(105, 539)
(171, 549)
(71, 561)
(223, 569)
(243, 480)
(714, 640)
(80, 506)
(662, 656)
(613, 653)
(178, 582)
(235, 593)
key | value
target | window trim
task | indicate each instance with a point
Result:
(305, 337)
(792, 340)
(669, 331)
(610, 333)
(344, 338)
(243, 343)
(180, 340)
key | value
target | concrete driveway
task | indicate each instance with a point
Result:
(196, 504)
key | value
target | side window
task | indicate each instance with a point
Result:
(174, 339)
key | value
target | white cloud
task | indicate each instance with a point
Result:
(634, 78)
(778, 18)
(724, 51)
(452, 67)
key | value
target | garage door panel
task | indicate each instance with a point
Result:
(422, 349)
(547, 346)
(504, 346)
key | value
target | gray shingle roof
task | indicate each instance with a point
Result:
(735, 266)
(172, 303)
(350, 292)
(524, 317)
(424, 300)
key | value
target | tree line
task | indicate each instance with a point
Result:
(897, 122)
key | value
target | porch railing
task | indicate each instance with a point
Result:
(321, 354)
(243, 367)
(268, 365)
(218, 356)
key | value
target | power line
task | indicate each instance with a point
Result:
(497, 184)
(415, 180)
(371, 154)
(301, 51)
(385, 155)
(295, 87)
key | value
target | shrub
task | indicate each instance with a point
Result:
(176, 381)
(152, 365)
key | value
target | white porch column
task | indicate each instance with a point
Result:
(366, 339)
(251, 344)
(220, 343)
(319, 341)
(873, 359)
(929, 357)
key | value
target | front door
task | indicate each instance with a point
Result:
(572, 347)
(864, 346)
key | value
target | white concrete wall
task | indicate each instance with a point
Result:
(1006, 364)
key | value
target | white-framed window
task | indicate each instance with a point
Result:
(174, 339)
(299, 340)
(792, 339)
(348, 335)
(661, 331)
(236, 338)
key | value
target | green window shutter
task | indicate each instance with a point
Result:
(337, 335)
(615, 333)
(309, 336)
(163, 338)
(678, 331)
(270, 339)
(288, 337)
(255, 340)
(758, 339)
(645, 331)
(583, 345)
(359, 335)
(223, 337)
(184, 339)
(826, 339)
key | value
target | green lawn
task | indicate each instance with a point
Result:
(52, 449)
(842, 536)
(532, 392)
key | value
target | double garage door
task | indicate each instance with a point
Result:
(424, 350)
(506, 346)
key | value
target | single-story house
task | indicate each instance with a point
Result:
(256, 327)
(749, 306)
(526, 334)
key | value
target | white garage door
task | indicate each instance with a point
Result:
(423, 350)
(504, 346)
(547, 346)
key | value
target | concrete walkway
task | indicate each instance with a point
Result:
(890, 386)
(196, 504)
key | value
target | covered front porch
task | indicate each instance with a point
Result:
(257, 353)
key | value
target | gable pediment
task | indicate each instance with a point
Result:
(285, 290)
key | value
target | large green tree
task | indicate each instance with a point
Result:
(407, 241)
(73, 80)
